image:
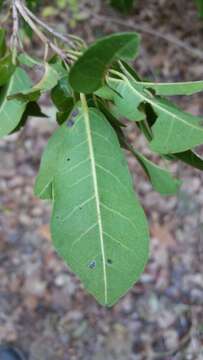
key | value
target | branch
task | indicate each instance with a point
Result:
(14, 38)
(37, 31)
(169, 38)
(53, 32)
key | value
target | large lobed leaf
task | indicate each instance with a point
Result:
(98, 225)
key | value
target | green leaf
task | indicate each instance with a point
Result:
(98, 225)
(49, 162)
(48, 82)
(2, 42)
(190, 158)
(173, 131)
(7, 68)
(179, 88)
(161, 179)
(11, 111)
(88, 73)
(199, 4)
(123, 5)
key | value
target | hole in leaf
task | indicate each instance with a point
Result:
(109, 262)
(92, 265)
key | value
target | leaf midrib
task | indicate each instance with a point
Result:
(160, 84)
(97, 198)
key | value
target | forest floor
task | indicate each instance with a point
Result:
(43, 307)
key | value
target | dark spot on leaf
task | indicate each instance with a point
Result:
(68, 159)
(75, 113)
(70, 123)
(109, 262)
(92, 265)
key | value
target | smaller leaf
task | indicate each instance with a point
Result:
(161, 179)
(88, 73)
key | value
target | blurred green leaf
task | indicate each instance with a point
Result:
(2, 42)
(199, 4)
(123, 5)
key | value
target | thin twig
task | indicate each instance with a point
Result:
(53, 32)
(38, 32)
(167, 37)
(14, 38)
